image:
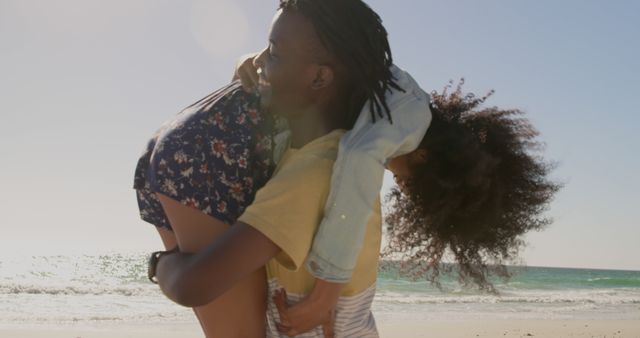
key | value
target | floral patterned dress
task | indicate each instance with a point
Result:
(213, 156)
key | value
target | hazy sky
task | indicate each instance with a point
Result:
(84, 84)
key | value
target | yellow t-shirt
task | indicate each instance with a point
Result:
(288, 210)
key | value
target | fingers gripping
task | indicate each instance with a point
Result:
(295, 320)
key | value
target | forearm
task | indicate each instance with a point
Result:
(194, 279)
(197, 279)
(171, 273)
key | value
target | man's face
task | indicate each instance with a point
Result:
(286, 67)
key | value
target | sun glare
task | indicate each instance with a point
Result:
(220, 27)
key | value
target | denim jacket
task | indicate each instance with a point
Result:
(357, 177)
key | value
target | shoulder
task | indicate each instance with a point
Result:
(309, 168)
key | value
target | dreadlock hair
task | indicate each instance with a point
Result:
(353, 32)
(482, 187)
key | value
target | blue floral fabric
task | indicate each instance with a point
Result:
(213, 156)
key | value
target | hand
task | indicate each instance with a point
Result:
(303, 316)
(246, 72)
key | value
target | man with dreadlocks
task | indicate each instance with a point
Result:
(392, 123)
(325, 59)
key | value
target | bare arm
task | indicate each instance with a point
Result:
(197, 279)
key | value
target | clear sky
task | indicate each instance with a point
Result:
(84, 84)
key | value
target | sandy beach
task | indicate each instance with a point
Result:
(513, 328)
(397, 328)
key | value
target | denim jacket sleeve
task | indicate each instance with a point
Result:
(357, 177)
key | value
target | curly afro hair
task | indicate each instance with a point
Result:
(482, 186)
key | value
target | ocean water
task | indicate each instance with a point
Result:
(90, 289)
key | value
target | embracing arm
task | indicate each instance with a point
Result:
(197, 279)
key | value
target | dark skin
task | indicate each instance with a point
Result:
(300, 81)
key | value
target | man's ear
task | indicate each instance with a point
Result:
(324, 76)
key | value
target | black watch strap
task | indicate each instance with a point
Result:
(153, 263)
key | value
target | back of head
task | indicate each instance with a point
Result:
(481, 188)
(354, 34)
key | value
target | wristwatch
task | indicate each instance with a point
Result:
(153, 263)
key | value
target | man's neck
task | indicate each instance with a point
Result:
(316, 122)
(307, 127)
